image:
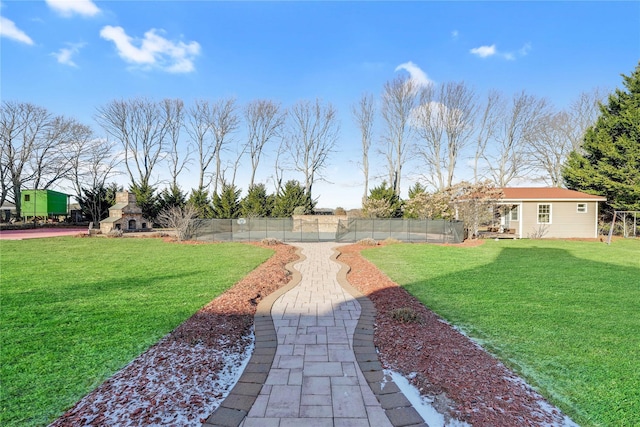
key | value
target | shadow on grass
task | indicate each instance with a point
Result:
(569, 325)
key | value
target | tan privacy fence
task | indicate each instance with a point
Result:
(317, 230)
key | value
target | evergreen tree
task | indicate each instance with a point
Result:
(609, 164)
(416, 206)
(95, 202)
(199, 199)
(171, 197)
(226, 205)
(257, 203)
(292, 196)
(383, 202)
(146, 199)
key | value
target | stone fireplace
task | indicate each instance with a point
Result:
(125, 215)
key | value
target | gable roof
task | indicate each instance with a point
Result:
(548, 193)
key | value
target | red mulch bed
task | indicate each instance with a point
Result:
(462, 378)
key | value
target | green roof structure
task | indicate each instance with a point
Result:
(43, 203)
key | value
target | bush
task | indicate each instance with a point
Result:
(391, 241)
(115, 233)
(368, 242)
(270, 241)
(406, 315)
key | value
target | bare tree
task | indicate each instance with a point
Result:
(34, 143)
(174, 111)
(234, 165)
(198, 127)
(444, 120)
(23, 125)
(515, 129)
(264, 121)
(583, 112)
(398, 101)
(182, 219)
(363, 114)
(140, 126)
(92, 164)
(474, 203)
(559, 134)
(491, 111)
(279, 167)
(314, 134)
(224, 121)
(551, 147)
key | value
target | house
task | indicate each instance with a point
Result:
(43, 203)
(125, 215)
(549, 213)
(7, 211)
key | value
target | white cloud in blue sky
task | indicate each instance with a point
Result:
(9, 30)
(419, 77)
(488, 51)
(69, 8)
(65, 55)
(153, 50)
(484, 51)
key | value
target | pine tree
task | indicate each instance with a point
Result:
(292, 196)
(257, 203)
(609, 164)
(383, 202)
(199, 199)
(95, 202)
(146, 199)
(226, 205)
(170, 197)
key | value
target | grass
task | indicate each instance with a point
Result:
(74, 311)
(563, 314)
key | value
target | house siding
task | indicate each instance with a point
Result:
(566, 222)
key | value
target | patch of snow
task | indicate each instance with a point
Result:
(173, 383)
(423, 405)
(561, 420)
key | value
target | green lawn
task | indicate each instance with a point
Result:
(74, 311)
(564, 314)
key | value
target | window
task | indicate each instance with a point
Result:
(582, 208)
(544, 214)
(514, 213)
(27, 197)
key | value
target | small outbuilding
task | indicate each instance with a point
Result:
(125, 215)
(548, 213)
(43, 203)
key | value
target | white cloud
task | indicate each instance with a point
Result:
(418, 76)
(69, 7)
(455, 34)
(524, 50)
(65, 54)
(154, 50)
(8, 29)
(487, 51)
(484, 51)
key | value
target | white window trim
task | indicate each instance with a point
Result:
(550, 213)
(586, 209)
(516, 210)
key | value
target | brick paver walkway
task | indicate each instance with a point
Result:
(313, 343)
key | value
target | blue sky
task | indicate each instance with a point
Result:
(73, 56)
